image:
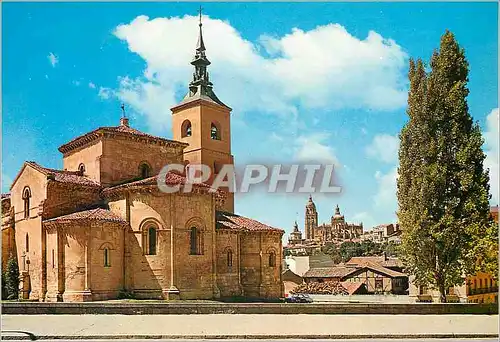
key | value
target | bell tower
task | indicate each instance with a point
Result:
(203, 121)
(311, 221)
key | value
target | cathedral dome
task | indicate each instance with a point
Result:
(310, 204)
(337, 215)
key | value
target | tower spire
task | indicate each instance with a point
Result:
(201, 87)
(200, 46)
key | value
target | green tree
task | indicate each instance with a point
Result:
(442, 186)
(12, 279)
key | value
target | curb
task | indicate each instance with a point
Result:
(33, 337)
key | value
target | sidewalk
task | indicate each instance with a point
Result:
(244, 326)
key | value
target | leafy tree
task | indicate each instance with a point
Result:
(442, 187)
(12, 279)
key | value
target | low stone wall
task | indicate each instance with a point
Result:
(27, 308)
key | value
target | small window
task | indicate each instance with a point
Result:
(81, 168)
(379, 283)
(195, 241)
(107, 262)
(27, 244)
(229, 258)
(186, 129)
(53, 259)
(423, 290)
(145, 170)
(214, 132)
(272, 259)
(152, 240)
(26, 199)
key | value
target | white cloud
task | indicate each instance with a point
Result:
(53, 59)
(384, 147)
(491, 137)
(92, 85)
(323, 67)
(105, 93)
(386, 197)
(313, 149)
(76, 83)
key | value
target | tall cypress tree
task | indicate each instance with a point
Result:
(443, 190)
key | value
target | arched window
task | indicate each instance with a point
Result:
(152, 240)
(272, 259)
(195, 241)
(186, 129)
(214, 132)
(26, 199)
(81, 168)
(107, 257)
(144, 170)
(149, 238)
(229, 258)
(27, 243)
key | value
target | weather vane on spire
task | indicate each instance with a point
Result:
(199, 13)
(123, 110)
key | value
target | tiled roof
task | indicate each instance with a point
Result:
(385, 262)
(98, 214)
(494, 209)
(352, 287)
(381, 269)
(74, 177)
(225, 220)
(7, 195)
(171, 178)
(329, 272)
(122, 130)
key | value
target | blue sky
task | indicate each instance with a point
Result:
(305, 80)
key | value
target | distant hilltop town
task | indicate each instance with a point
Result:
(336, 231)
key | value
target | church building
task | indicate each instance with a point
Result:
(100, 227)
(337, 230)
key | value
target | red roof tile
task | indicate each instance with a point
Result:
(351, 287)
(329, 272)
(382, 261)
(171, 178)
(225, 220)
(98, 214)
(74, 177)
(120, 130)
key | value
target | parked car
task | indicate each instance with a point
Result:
(298, 298)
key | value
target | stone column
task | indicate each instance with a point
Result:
(173, 291)
(216, 291)
(87, 293)
(61, 270)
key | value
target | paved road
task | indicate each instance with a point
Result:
(293, 340)
(261, 326)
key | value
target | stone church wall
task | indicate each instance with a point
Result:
(228, 275)
(121, 159)
(65, 199)
(195, 273)
(258, 278)
(90, 156)
(106, 281)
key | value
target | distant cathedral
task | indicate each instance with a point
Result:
(336, 231)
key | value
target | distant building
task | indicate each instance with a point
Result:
(295, 236)
(337, 230)
(297, 264)
(377, 279)
(384, 233)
